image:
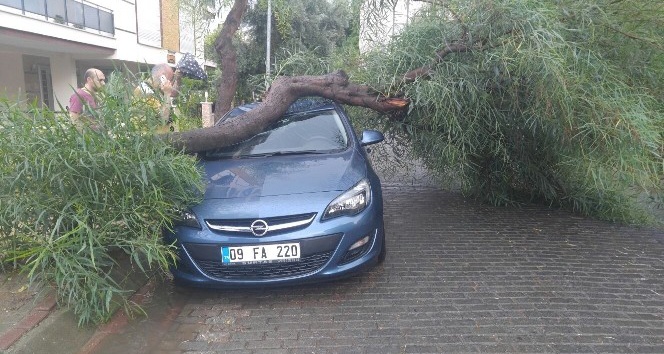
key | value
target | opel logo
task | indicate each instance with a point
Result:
(259, 227)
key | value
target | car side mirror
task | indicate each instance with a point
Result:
(370, 137)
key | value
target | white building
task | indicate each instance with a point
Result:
(46, 45)
(383, 26)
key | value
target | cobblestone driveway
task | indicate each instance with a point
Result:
(459, 277)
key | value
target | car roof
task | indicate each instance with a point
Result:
(304, 104)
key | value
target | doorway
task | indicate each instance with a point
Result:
(38, 84)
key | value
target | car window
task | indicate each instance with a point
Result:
(236, 112)
(311, 132)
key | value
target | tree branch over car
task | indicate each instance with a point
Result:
(526, 101)
(513, 101)
(285, 90)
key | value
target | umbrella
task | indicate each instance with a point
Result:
(189, 67)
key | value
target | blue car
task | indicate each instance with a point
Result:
(296, 203)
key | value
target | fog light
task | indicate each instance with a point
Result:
(359, 243)
(356, 250)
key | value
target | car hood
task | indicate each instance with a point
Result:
(283, 175)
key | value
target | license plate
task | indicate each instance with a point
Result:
(284, 252)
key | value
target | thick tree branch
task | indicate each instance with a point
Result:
(228, 55)
(425, 71)
(460, 46)
(286, 90)
(283, 92)
(635, 37)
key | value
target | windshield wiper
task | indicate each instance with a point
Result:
(284, 153)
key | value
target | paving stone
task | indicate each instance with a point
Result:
(460, 277)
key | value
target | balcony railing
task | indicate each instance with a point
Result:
(79, 14)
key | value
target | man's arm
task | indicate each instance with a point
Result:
(75, 109)
(167, 89)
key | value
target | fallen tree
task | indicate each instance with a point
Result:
(224, 47)
(527, 101)
(554, 102)
(283, 92)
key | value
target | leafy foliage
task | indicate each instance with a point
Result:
(188, 102)
(195, 16)
(558, 102)
(71, 202)
(311, 35)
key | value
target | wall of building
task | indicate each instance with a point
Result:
(130, 47)
(392, 21)
(131, 50)
(170, 25)
(142, 38)
(125, 17)
(40, 26)
(11, 76)
(63, 75)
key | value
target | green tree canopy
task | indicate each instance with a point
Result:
(72, 201)
(312, 31)
(558, 102)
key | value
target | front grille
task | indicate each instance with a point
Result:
(306, 265)
(275, 224)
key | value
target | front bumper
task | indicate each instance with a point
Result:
(324, 247)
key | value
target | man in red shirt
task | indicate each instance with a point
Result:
(84, 99)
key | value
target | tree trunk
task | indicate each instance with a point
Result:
(283, 92)
(228, 56)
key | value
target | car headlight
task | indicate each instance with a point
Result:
(187, 218)
(350, 202)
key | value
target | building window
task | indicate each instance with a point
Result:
(148, 18)
(11, 3)
(69, 12)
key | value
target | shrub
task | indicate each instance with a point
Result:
(71, 201)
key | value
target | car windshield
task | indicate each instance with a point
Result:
(301, 133)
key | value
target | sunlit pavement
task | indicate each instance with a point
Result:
(459, 277)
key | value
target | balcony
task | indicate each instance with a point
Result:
(78, 14)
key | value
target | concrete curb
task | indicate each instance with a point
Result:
(119, 319)
(45, 326)
(34, 318)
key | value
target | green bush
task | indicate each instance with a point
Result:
(189, 112)
(71, 202)
(558, 102)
